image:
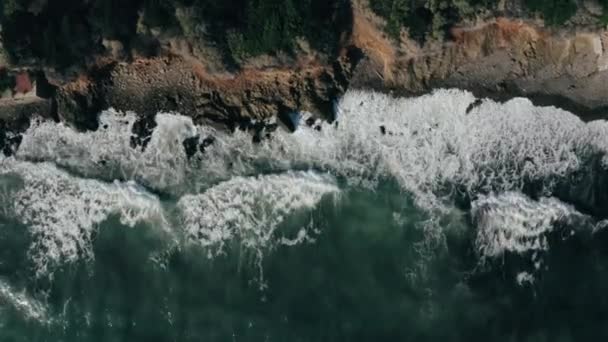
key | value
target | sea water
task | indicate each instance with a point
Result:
(426, 219)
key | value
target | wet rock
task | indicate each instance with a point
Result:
(142, 131)
(191, 146)
(208, 141)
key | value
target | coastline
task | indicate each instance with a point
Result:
(499, 58)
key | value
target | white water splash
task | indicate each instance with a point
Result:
(512, 222)
(250, 210)
(430, 145)
(107, 152)
(62, 211)
(20, 301)
(525, 278)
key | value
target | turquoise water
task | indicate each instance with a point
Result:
(417, 232)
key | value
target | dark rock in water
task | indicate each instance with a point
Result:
(270, 128)
(9, 142)
(245, 125)
(191, 145)
(208, 141)
(474, 104)
(15, 116)
(290, 119)
(310, 122)
(259, 132)
(3, 138)
(256, 139)
(142, 131)
(4, 143)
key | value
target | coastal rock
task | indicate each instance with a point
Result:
(15, 116)
(179, 84)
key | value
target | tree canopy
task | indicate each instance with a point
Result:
(63, 31)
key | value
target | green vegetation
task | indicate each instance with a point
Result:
(56, 34)
(64, 32)
(554, 12)
(10, 7)
(604, 17)
(7, 81)
(254, 27)
(396, 12)
(425, 19)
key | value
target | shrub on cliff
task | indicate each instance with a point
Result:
(254, 27)
(57, 32)
(554, 12)
(427, 18)
(604, 17)
(7, 81)
(66, 32)
(396, 12)
(10, 7)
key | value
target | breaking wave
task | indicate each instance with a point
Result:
(251, 209)
(439, 148)
(512, 222)
(62, 211)
(27, 306)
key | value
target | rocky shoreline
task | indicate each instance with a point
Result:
(500, 58)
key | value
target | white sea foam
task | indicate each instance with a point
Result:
(425, 143)
(63, 211)
(430, 145)
(107, 152)
(25, 305)
(250, 209)
(512, 222)
(524, 278)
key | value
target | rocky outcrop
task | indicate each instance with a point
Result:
(181, 84)
(15, 117)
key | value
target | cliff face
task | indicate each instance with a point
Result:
(501, 58)
(182, 84)
(493, 56)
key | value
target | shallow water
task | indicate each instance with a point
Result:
(403, 220)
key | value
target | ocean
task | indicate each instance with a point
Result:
(435, 218)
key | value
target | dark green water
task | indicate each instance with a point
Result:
(405, 220)
(363, 279)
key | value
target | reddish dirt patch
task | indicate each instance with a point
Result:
(23, 84)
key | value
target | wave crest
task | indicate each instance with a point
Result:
(250, 210)
(63, 211)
